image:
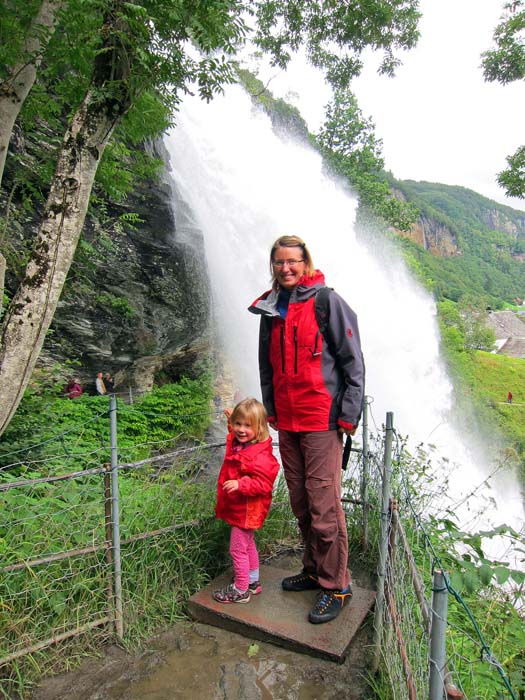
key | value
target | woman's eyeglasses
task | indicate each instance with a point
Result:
(281, 263)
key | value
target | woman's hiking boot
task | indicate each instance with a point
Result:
(300, 582)
(329, 604)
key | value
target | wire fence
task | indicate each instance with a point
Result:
(94, 549)
(425, 651)
(58, 567)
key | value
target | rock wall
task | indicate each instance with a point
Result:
(434, 237)
(496, 220)
(136, 303)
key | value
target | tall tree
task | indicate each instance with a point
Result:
(165, 47)
(21, 59)
(505, 64)
(21, 67)
(349, 145)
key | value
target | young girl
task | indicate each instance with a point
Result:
(244, 494)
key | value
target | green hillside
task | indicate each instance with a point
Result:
(460, 204)
(482, 381)
(487, 269)
(490, 237)
(494, 376)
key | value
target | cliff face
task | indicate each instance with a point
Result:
(437, 238)
(136, 302)
(497, 220)
(430, 234)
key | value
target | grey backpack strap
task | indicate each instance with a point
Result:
(322, 311)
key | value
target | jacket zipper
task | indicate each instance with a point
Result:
(282, 349)
(295, 349)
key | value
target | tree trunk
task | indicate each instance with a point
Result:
(32, 308)
(15, 88)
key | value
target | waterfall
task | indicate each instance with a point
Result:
(245, 187)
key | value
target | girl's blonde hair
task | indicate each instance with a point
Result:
(291, 242)
(254, 412)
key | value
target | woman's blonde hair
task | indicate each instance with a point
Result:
(291, 242)
(254, 412)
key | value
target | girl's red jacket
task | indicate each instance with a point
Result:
(255, 467)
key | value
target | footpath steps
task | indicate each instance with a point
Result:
(281, 617)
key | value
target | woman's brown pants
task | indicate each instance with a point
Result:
(312, 468)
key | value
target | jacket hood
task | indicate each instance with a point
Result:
(305, 288)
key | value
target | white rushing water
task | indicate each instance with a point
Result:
(245, 187)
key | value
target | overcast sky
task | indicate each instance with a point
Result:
(438, 119)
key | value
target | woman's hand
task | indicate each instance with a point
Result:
(230, 485)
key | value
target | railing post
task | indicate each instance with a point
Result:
(364, 482)
(436, 688)
(109, 538)
(115, 517)
(390, 580)
(383, 542)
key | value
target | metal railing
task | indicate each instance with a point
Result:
(413, 646)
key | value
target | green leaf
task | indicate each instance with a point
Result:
(471, 581)
(485, 574)
(502, 574)
(253, 650)
(518, 577)
(456, 579)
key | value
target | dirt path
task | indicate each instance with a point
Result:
(192, 660)
(195, 661)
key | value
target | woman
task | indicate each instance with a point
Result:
(109, 383)
(73, 389)
(312, 388)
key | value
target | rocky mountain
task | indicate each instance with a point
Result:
(463, 205)
(433, 236)
(459, 205)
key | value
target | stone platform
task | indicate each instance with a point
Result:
(281, 617)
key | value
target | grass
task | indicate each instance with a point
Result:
(159, 573)
(494, 376)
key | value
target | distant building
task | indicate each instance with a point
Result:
(509, 328)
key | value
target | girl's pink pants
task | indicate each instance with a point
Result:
(244, 556)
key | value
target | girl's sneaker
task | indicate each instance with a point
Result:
(229, 594)
(255, 588)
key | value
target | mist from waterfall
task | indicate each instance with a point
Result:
(244, 187)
